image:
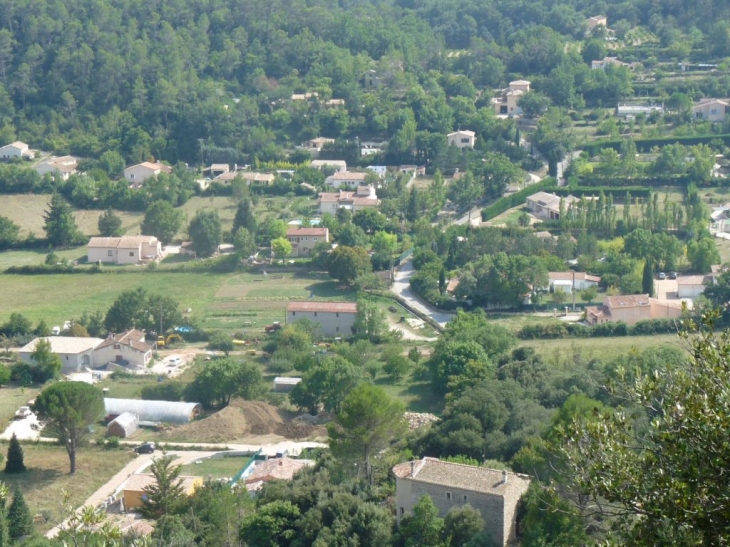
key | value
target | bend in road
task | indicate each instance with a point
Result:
(402, 287)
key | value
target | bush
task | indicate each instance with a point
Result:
(14, 463)
(164, 391)
(556, 330)
(111, 443)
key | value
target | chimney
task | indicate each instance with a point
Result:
(413, 468)
(504, 477)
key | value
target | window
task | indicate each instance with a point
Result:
(465, 141)
(713, 111)
(110, 253)
(315, 239)
(116, 346)
(315, 314)
(293, 313)
(131, 253)
(131, 175)
(448, 495)
(337, 329)
(465, 498)
(402, 511)
(337, 314)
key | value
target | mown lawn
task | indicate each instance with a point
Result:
(47, 478)
(13, 397)
(216, 468)
(599, 348)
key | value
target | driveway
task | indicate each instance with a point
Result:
(23, 429)
(402, 287)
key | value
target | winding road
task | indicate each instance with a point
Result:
(402, 287)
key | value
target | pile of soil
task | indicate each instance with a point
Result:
(241, 419)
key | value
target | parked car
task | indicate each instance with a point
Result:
(672, 275)
(23, 412)
(174, 361)
(146, 448)
(661, 276)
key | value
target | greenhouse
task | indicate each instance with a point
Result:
(153, 411)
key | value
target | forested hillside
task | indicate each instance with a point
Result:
(149, 79)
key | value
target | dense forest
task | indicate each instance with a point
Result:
(174, 80)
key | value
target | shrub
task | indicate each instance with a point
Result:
(14, 463)
(164, 391)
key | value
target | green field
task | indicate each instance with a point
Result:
(216, 468)
(599, 348)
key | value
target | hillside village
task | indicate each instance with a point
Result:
(370, 274)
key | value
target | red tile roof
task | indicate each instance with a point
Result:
(331, 307)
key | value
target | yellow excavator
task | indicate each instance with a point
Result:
(163, 341)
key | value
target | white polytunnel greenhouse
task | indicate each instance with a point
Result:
(153, 411)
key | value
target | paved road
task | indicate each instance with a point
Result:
(402, 287)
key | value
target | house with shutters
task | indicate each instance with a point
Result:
(334, 318)
(303, 240)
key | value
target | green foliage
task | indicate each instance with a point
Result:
(135, 308)
(110, 224)
(49, 364)
(20, 521)
(366, 423)
(702, 254)
(14, 461)
(281, 247)
(549, 519)
(348, 263)
(9, 233)
(5, 539)
(424, 527)
(271, 526)
(220, 380)
(245, 217)
(370, 322)
(4, 374)
(165, 495)
(68, 408)
(221, 341)
(327, 384)
(59, 225)
(462, 525)
(162, 220)
(17, 325)
(205, 232)
(163, 391)
(244, 242)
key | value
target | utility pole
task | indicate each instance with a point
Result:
(573, 290)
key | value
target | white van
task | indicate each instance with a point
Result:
(174, 361)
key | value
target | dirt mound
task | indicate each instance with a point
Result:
(233, 423)
(300, 430)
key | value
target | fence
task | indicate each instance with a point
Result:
(249, 463)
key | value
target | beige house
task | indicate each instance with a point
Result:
(334, 318)
(339, 165)
(608, 61)
(133, 491)
(76, 353)
(14, 150)
(462, 139)
(692, 286)
(137, 174)
(126, 349)
(363, 198)
(596, 21)
(304, 96)
(370, 79)
(506, 102)
(547, 206)
(495, 494)
(711, 110)
(217, 169)
(303, 240)
(347, 179)
(280, 469)
(631, 309)
(60, 167)
(317, 143)
(123, 250)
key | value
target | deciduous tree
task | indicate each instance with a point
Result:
(347, 263)
(69, 408)
(60, 225)
(109, 224)
(205, 232)
(281, 247)
(162, 220)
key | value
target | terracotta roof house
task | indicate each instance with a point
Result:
(61, 167)
(137, 174)
(462, 139)
(547, 206)
(506, 102)
(495, 494)
(134, 488)
(282, 469)
(15, 149)
(303, 240)
(334, 318)
(76, 353)
(345, 178)
(123, 250)
(364, 197)
(711, 110)
(631, 309)
(125, 349)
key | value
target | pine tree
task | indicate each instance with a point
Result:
(4, 532)
(60, 226)
(20, 521)
(14, 462)
(244, 217)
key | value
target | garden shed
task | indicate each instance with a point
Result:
(123, 426)
(153, 412)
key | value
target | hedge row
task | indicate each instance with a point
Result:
(45, 269)
(617, 193)
(513, 200)
(643, 182)
(645, 145)
(555, 330)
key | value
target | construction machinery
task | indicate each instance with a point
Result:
(272, 328)
(163, 341)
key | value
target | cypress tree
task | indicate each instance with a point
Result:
(20, 521)
(647, 281)
(14, 462)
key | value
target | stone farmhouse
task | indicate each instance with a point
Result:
(495, 494)
(334, 318)
(303, 240)
(123, 250)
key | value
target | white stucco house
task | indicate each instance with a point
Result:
(123, 250)
(58, 167)
(569, 281)
(75, 352)
(462, 139)
(137, 174)
(711, 110)
(334, 318)
(347, 179)
(14, 150)
(363, 198)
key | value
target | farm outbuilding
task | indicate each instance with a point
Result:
(123, 425)
(285, 384)
(153, 411)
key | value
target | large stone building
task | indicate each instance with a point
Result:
(303, 240)
(495, 494)
(334, 318)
